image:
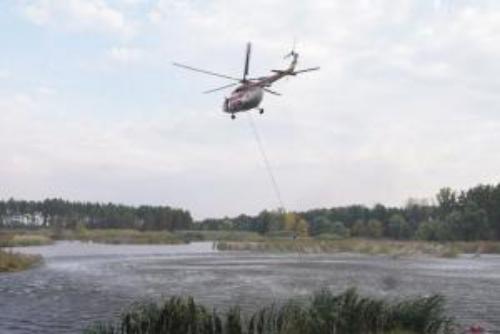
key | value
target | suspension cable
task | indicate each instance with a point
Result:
(267, 164)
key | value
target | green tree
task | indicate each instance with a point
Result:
(471, 223)
(398, 228)
(339, 229)
(374, 228)
(264, 222)
(447, 201)
(320, 225)
(359, 229)
(430, 230)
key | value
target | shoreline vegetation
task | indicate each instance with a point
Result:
(324, 312)
(40, 237)
(12, 262)
(452, 222)
(21, 238)
(120, 236)
(367, 247)
(252, 241)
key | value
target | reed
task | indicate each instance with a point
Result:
(10, 261)
(346, 313)
(219, 236)
(363, 246)
(120, 236)
(22, 238)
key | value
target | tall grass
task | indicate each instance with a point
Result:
(325, 313)
(14, 238)
(18, 240)
(219, 236)
(364, 246)
(479, 247)
(10, 261)
(120, 236)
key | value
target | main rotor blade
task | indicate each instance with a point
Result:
(247, 61)
(205, 71)
(272, 92)
(220, 88)
(306, 70)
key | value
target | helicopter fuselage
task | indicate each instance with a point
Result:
(250, 91)
(243, 98)
(249, 95)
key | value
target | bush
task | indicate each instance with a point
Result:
(10, 261)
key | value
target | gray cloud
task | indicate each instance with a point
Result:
(405, 103)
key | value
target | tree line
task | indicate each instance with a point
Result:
(472, 214)
(58, 213)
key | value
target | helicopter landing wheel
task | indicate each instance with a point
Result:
(233, 116)
(261, 111)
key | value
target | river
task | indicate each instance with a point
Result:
(80, 283)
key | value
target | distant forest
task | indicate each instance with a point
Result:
(472, 214)
(468, 215)
(57, 213)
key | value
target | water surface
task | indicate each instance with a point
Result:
(80, 283)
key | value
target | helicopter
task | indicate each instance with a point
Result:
(250, 91)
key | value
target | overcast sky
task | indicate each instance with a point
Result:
(407, 101)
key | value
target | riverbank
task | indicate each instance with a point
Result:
(121, 237)
(193, 235)
(346, 313)
(250, 241)
(24, 239)
(14, 238)
(11, 261)
(361, 246)
(21, 238)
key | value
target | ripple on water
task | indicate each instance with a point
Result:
(82, 283)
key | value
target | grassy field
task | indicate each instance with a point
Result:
(371, 247)
(10, 261)
(347, 313)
